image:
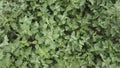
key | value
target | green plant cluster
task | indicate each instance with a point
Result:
(59, 33)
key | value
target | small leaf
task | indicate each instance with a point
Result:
(92, 1)
(5, 42)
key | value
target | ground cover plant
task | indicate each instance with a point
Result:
(59, 33)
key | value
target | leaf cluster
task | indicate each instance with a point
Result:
(59, 33)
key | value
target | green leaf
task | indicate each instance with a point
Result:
(5, 42)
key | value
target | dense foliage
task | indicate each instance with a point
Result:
(59, 33)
